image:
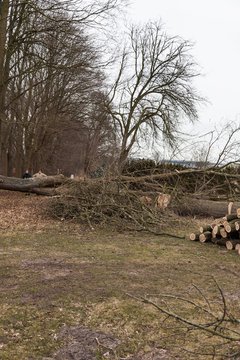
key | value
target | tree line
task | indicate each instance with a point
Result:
(61, 109)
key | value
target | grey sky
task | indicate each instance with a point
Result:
(214, 27)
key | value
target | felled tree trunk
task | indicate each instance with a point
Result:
(191, 206)
(33, 185)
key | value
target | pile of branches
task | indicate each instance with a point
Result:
(134, 199)
(127, 199)
(102, 201)
(212, 184)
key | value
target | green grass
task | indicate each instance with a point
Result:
(54, 277)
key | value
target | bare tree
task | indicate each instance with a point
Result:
(48, 69)
(100, 139)
(216, 149)
(153, 88)
(48, 74)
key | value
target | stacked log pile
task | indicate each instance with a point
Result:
(224, 231)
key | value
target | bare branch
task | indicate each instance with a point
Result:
(156, 85)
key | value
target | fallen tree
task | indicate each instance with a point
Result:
(189, 205)
(140, 200)
(204, 183)
(211, 183)
(33, 185)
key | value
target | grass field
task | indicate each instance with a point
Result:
(70, 293)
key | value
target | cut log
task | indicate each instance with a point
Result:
(146, 200)
(237, 247)
(216, 230)
(162, 201)
(205, 237)
(238, 212)
(217, 222)
(194, 237)
(237, 225)
(169, 175)
(223, 233)
(231, 244)
(214, 236)
(229, 227)
(216, 209)
(31, 185)
(202, 229)
(230, 205)
(230, 217)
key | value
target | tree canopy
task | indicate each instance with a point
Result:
(58, 109)
(153, 87)
(49, 71)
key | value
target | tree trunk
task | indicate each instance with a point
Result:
(202, 229)
(4, 8)
(216, 209)
(205, 237)
(229, 227)
(194, 237)
(231, 244)
(32, 185)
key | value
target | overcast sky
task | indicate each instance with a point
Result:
(214, 27)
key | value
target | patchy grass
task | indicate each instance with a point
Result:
(52, 277)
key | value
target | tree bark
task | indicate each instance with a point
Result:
(231, 244)
(216, 209)
(194, 237)
(229, 227)
(4, 8)
(205, 237)
(202, 229)
(32, 185)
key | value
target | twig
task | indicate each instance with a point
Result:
(187, 322)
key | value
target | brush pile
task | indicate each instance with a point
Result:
(224, 231)
(106, 202)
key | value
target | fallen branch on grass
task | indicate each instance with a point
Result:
(218, 324)
(171, 235)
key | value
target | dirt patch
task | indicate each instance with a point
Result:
(85, 344)
(49, 270)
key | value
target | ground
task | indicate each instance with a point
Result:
(20, 211)
(68, 292)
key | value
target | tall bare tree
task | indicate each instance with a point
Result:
(48, 69)
(153, 88)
